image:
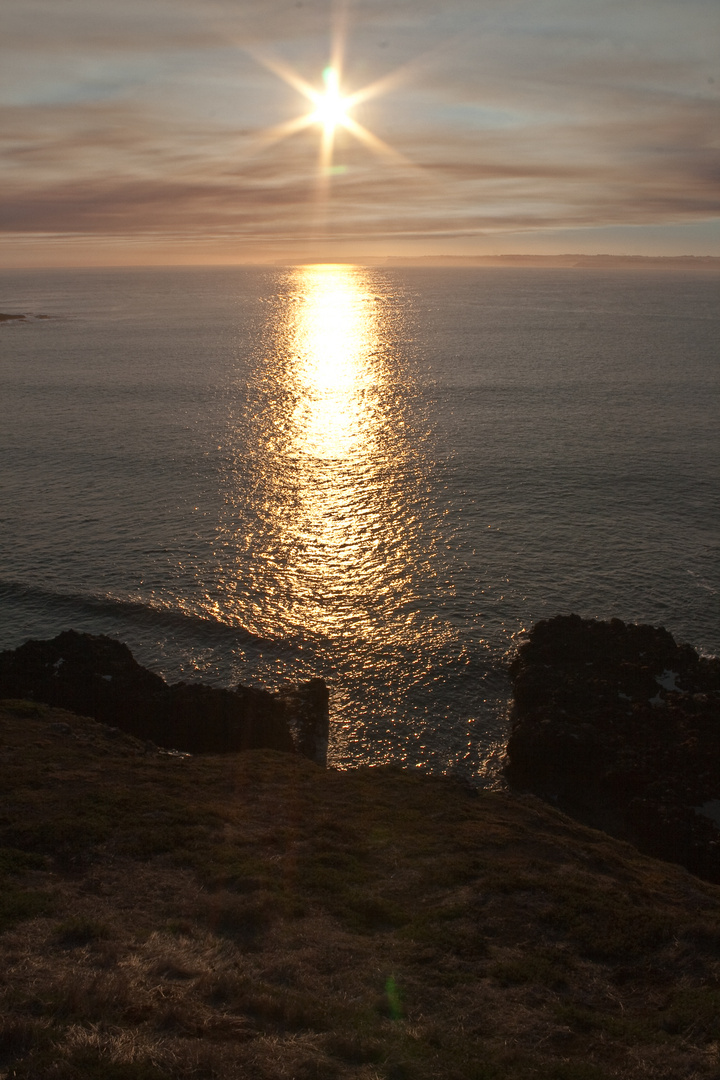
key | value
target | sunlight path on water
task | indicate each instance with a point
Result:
(328, 538)
(336, 542)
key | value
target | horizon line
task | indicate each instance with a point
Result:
(570, 260)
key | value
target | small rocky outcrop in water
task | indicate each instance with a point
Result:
(620, 727)
(94, 675)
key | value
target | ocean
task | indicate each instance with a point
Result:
(378, 475)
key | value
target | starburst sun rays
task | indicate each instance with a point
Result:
(331, 110)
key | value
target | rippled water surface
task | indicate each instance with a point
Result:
(378, 475)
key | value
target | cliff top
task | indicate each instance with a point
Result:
(256, 915)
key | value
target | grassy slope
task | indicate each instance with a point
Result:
(256, 916)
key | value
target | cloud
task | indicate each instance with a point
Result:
(147, 118)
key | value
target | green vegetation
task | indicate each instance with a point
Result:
(255, 916)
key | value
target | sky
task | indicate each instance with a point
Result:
(167, 131)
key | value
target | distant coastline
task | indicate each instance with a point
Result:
(641, 262)
(570, 261)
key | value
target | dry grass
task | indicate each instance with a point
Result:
(254, 916)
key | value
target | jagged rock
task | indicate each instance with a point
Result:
(306, 709)
(88, 674)
(200, 716)
(620, 727)
(94, 675)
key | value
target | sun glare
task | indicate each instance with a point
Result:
(331, 106)
(331, 110)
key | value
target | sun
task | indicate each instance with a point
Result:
(332, 108)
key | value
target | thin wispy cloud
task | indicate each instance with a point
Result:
(498, 119)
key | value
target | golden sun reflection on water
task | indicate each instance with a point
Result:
(328, 542)
(338, 531)
(325, 533)
(332, 339)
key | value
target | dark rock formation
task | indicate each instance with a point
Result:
(307, 711)
(94, 675)
(205, 719)
(620, 727)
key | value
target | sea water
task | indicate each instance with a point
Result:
(377, 475)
